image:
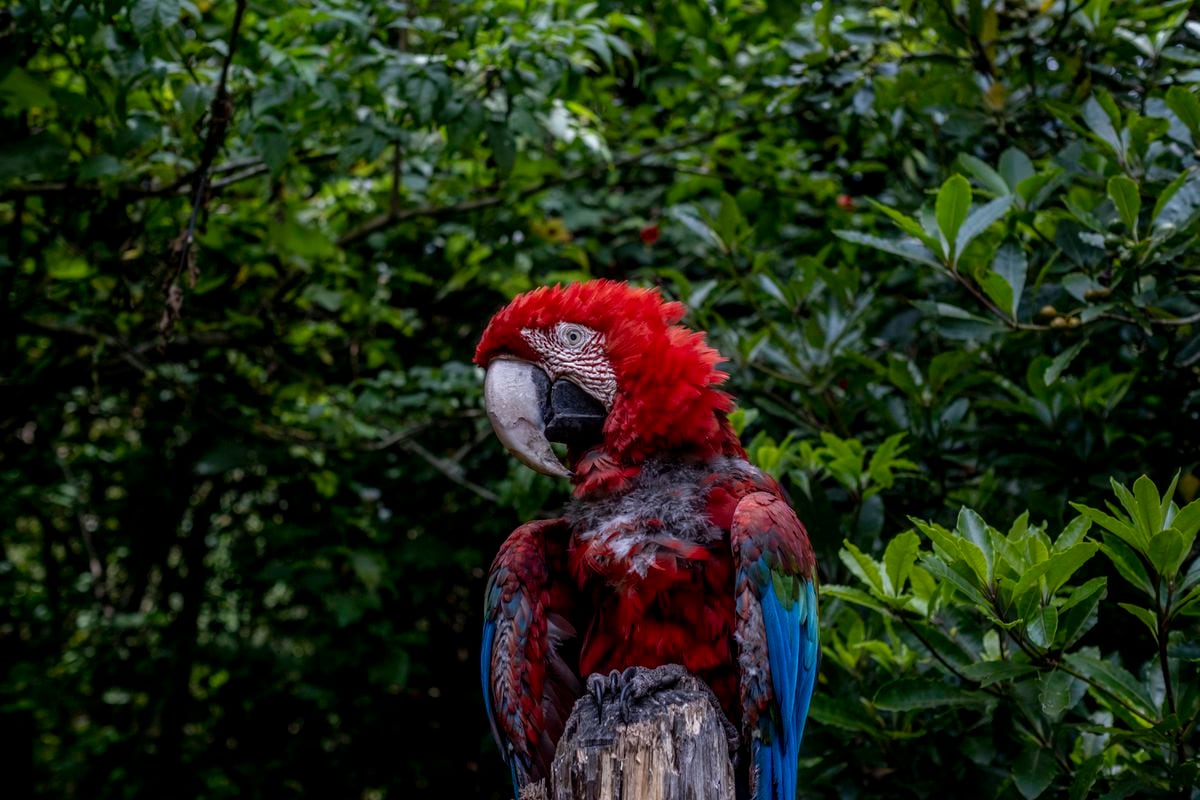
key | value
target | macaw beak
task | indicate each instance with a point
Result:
(527, 412)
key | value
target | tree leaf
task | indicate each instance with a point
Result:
(1034, 771)
(910, 250)
(1187, 521)
(1187, 107)
(953, 204)
(1061, 362)
(1166, 194)
(504, 149)
(981, 219)
(1179, 205)
(1124, 194)
(149, 16)
(1006, 280)
(865, 568)
(21, 91)
(1147, 510)
(1166, 551)
(1054, 693)
(1043, 626)
(1145, 615)
(64, 264)
(987, 673)
(840, 714)
(1114, 679)
(908, 225)
(912, 694)
(991, 180)
(1100, 120)
(853, 595)
(1128, 564)
(940, 569)
(899, 557)
(1072, 534)
(1064, 564)
(1015, 167)
(1121, 529)
(1078, 614)
(1085, 777)
(729, 221)
(972, 527)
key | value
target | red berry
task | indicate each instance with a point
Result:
(845, 202)
(649, 234)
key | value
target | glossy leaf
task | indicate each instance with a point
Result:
(953, 205)
(1125, 196)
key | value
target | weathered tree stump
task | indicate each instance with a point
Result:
(647, 735)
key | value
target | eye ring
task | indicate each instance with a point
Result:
(572, 335)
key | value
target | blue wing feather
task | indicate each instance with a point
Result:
(767, 538)
(485, 669)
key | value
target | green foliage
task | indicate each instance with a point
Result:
(250, 496)
(1002, 632)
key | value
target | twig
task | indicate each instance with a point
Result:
(940, 658)
(1060, 27)
(397, 172)
(398, 437)
(244, 167)
(220, 113)
(452, 471)
(987, 303)
(1188, 320)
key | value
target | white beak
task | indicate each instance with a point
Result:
(514, 394)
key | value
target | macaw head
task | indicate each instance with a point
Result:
(601, 366)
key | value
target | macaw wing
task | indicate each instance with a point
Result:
(528, 688)
(776, 633)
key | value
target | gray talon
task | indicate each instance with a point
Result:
(595, 688)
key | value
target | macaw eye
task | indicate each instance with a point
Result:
(572, 335)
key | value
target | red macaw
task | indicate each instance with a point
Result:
(673, 549)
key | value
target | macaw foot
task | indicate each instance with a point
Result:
(600, 685)
(640, 690)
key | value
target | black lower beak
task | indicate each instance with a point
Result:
(574, 417)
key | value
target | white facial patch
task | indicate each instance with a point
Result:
(577, 353)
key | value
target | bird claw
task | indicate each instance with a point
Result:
(642, 685)
(599, 685)
(639, 686)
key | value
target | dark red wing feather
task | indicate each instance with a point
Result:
(528, 686)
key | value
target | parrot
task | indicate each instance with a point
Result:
(672, 549)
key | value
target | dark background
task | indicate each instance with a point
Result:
(247, 493)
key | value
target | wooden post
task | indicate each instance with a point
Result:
(670, 744)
